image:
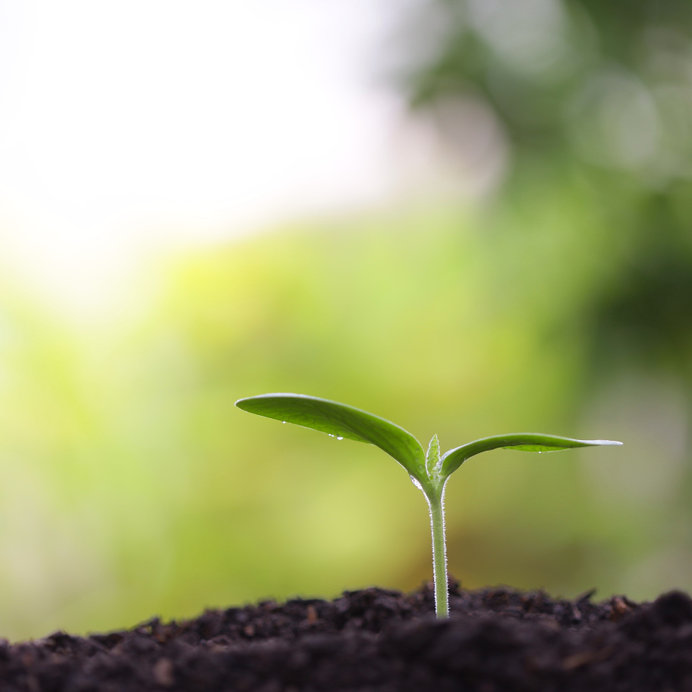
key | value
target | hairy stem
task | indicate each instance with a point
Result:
(439, 552)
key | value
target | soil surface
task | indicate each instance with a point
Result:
(496, 639)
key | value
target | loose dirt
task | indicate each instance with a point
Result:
(374, 639)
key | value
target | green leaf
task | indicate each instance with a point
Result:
(341, 421)
(523, 442)
(432, 458)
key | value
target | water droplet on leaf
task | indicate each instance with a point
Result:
(416, 483)
(339, 437)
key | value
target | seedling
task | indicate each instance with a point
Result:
(429, 472)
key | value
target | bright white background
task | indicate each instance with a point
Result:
(131, 126)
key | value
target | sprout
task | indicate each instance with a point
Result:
(428, 471)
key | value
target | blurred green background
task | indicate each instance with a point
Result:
(555, 297)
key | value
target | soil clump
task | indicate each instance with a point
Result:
(374, 639)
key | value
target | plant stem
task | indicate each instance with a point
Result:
(439, 551)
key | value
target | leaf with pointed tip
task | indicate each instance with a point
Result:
(341, 420)
(432, 457)
(523, 442)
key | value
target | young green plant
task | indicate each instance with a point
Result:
(428, 471)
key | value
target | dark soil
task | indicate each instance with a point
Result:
(496, 639)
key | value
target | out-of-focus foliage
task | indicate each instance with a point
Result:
(560, 301)
(132, 486)
(592, 101)
(589, 94)
(571, 81)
